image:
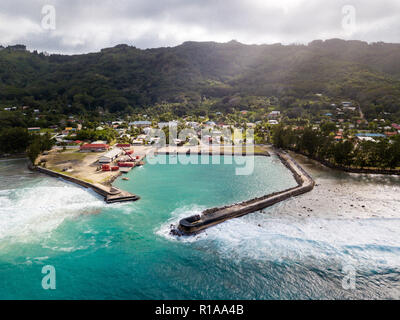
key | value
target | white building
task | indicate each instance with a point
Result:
(137, 142)
(274, 114)
(110, 156)
(167, 124)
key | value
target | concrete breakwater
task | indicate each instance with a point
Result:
(112, 195)
(211, 217)
(210, 153)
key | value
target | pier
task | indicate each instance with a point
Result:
(111, 195)
(214, 216)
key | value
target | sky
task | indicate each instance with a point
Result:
(81, 26)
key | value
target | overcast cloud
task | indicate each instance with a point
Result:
(90, 25)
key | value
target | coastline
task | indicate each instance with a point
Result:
(390, 172)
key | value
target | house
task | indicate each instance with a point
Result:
(210, 124)
(370, 135)
(90, 147)
(36, 129)
(142, 137)
(140, 124)
(347, 104)
(366, 139)
(390, 133)
(167, 124)
(396, 126)
(137, 142)
(274, 114)
(110, 156)
(273, 122)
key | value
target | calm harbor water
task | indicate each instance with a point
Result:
(295, 250)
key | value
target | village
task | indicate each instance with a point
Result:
(100, 151)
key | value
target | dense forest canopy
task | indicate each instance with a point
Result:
(125, 79)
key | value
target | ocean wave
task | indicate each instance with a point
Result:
(176, 216)
(369, 244)
(42, 207)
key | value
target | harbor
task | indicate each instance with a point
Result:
(211, 217)
(313, 233)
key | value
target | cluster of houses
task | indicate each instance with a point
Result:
(361, 125)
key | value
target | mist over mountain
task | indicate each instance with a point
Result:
(124, 79)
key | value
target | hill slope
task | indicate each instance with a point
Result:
(124, 78)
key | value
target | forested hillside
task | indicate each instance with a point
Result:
(124, 79)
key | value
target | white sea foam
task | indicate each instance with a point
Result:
(176, 216)
(41, 208)
(369, 243)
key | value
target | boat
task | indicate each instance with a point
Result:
(126, 179)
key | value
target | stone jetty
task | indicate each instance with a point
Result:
(110, 194)
(211, 217)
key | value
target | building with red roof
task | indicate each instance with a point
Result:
(123, 145)
(88, 147)
(396, 126)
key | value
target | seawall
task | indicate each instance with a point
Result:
(112, 195)
(214, 216)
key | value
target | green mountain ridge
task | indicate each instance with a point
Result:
(125, 78)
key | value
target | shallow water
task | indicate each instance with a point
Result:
(124, 251)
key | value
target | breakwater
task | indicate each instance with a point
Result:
(211, 153)
(213, 216)
(112, 195)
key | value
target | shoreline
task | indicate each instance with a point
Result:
(388, 172)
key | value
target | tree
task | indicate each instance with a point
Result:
(343, 153)
(33, 151)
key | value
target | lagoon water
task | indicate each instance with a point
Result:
(294, 250)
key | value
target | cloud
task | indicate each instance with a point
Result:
(87, 26)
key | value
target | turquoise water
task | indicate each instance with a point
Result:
(124, 251)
